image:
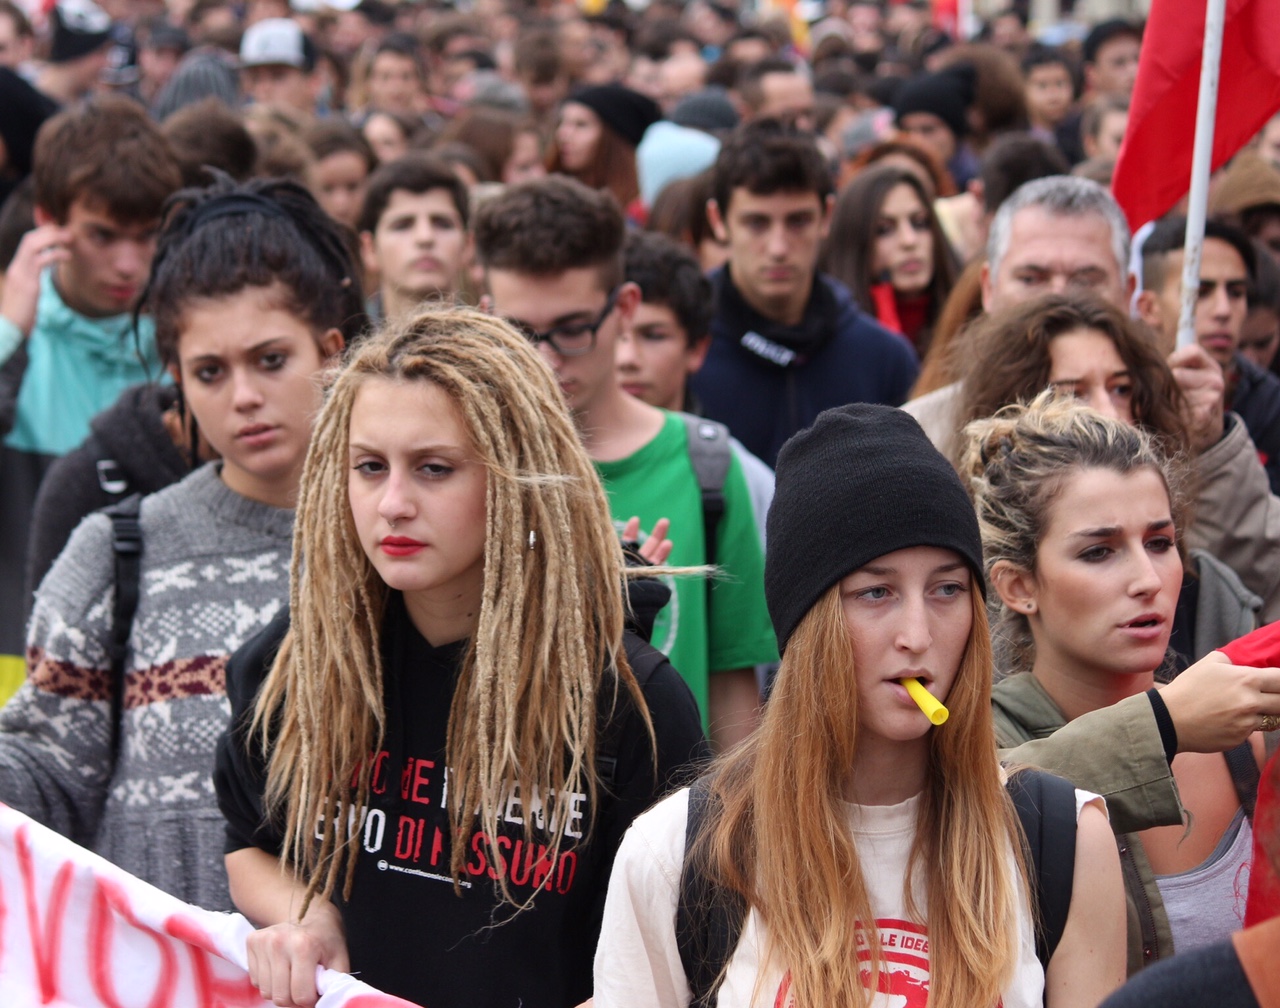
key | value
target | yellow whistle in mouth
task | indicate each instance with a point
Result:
(926, 701)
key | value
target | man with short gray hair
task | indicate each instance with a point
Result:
(1059, 234)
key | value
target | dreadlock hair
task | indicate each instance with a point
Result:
(218, 240)
(778, 833)
(524, 710)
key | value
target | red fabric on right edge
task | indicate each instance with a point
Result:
(1261, 649)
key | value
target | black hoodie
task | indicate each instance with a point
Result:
(408, 932)
(128, 451)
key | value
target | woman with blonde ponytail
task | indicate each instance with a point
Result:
(848, 805)
(436, 754)
(1082, 520)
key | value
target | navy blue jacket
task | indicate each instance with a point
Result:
(765, 382)
(1257, 401)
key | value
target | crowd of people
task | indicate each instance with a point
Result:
(498, 496)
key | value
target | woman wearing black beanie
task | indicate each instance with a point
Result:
(599, 130)
(848, 804)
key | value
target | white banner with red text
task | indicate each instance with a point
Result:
(78, 932)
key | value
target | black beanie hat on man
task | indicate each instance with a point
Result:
(628, 113)
(80, 27)
(863, 481)
(946, 94)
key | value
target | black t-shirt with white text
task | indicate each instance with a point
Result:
(408, 931)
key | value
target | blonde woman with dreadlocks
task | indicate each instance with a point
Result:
(435, 756)
(849, 806)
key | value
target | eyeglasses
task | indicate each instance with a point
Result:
(570, 339)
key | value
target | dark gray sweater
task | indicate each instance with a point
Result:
(214, 572)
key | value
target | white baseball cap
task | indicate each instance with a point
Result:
(275, 42)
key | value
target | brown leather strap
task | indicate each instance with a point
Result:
(1259, 950)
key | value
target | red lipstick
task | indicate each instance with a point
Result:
(400, 546)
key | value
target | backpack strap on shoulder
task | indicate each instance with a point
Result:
(1244, 775)
(710, 453)
(126, 543)
(644, 662)
(709, 918)
(1046, 807)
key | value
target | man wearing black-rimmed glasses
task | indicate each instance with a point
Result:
(552, 257)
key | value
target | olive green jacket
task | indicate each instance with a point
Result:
(1115, 752)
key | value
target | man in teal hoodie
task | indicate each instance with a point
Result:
(68, 347)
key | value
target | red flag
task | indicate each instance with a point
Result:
(1153, 171)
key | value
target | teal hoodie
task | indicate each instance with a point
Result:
(76, 368)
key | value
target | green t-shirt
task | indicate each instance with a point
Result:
(658, 481)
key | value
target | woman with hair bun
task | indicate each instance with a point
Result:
(1081, 517)
(434, 756)
(850, 804)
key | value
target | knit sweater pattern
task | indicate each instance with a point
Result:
(214, 572)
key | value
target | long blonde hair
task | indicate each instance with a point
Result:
(549, 630)
(779, 829)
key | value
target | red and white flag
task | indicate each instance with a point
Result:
(1153, 171)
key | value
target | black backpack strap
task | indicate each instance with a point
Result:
(1244, 775)
(644, 662)
(710, 454)
(709, 918)
(126, 542)
(1046, 807)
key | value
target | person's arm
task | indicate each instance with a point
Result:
(1237, 517)
(733, 707)
(55, 750)
(1116, 752)
(637, 963)
(285, 951)
(740, 631)
(1089, 962)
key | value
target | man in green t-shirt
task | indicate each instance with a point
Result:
(552, 255)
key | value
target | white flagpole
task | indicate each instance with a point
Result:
(1206, 111)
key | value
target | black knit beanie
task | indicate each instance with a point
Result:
(628, 113)
(947, 94)
(80, 27)
(863, 481)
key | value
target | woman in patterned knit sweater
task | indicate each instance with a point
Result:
(253, 291)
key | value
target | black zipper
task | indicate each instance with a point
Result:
(1146, 916)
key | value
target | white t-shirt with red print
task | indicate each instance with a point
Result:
(638, 965)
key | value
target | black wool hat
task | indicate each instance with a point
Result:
(863, 481)
(947, 94)
(628, 113)
(80, 27)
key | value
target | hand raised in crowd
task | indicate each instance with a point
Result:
(283, 958)
(1200, 378)
(42, 247)
(656, 547)
(1216, 705)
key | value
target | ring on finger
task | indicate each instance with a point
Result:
(1270, 722)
